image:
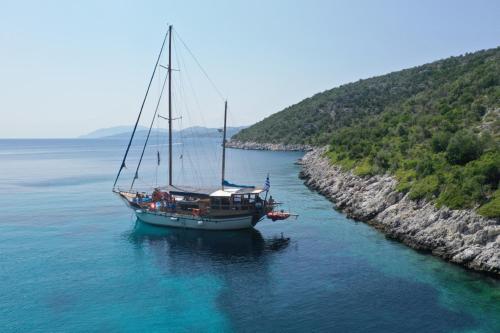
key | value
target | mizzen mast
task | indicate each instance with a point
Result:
(224, 145)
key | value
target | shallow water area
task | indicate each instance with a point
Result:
(73, 257)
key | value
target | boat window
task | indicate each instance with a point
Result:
(237, 199)
(215, 203)
(225, 203)
(220, 203)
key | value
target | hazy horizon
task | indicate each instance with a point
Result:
(71, 68)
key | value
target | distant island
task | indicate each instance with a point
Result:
(415, 153)
(123, 132)
(110, 131)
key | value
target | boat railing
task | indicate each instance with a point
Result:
(249, 206)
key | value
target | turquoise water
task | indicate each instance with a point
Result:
(73, 258)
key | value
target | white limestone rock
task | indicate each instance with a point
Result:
(460, 236)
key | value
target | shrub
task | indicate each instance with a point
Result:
(488, 166)
(440, 141)
(405, 179)
(382, 159)
(452, 197)
(425, 166)
(426, 187)
(346, 164)
(492, 208)
(464, 146)
(364, 168)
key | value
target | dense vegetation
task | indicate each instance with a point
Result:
(435, 127)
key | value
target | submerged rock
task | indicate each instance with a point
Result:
(459, 236)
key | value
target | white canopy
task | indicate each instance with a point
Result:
(227, 192)
(221, 193)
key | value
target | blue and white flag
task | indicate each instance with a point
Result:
(267, 184)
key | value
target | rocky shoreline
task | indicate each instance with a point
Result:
(459, 236)
(266, 146)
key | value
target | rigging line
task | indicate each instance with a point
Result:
(157, 165)
(182, 96)
(163, 149)
(197, 107)
(194, 171)
(199, 65)
(247, 164)
(182, 142)
(191, 135)
(182, 151)
(140, 112)
(195, 144)
(182, 62)
(136, 175)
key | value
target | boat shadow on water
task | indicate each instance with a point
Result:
(246, 244)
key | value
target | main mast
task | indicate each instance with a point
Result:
(224, 145)
(170, 105)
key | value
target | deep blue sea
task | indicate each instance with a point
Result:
(74, 259)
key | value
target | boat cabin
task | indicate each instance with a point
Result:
(236, 199)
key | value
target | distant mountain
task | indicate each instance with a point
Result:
(104, 132)
(123, 132)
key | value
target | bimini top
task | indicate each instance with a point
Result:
(227, 192)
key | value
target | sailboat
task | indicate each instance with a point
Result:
(226, 207)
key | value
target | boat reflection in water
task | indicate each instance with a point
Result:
(239, 245)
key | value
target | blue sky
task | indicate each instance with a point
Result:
(69, 67)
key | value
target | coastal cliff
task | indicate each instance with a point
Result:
(459, 236)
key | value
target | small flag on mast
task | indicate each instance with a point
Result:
(267, 184)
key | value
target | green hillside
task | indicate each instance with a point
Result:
(435, 127)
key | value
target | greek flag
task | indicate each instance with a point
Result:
(267, 184)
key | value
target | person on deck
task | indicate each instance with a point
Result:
(258, 202)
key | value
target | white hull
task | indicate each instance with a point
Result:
(194, 222)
